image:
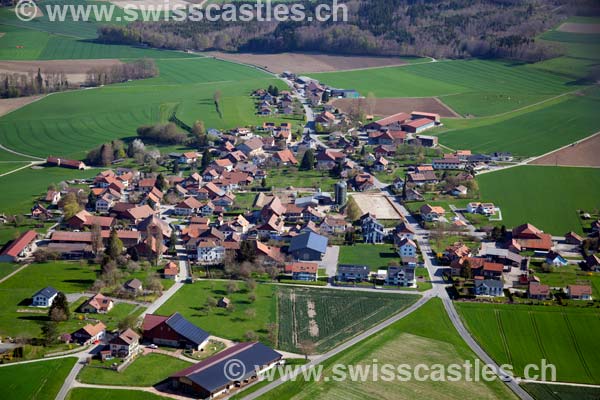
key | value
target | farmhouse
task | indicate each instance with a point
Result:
(302, 271)
(427, 141)
(418, 125)
(352, 273)
(448, 163)
(420, 114)
(392, 122)
(538, 291)
(62, 162)
(89, 333)
(579, 292)
(528, 237)
(173, 331)
(44, 297)
(19, 247)
(210, 378)
(308, 246)
(431, 213)
(125, 344)
(98, 303)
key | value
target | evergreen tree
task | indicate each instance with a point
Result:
(61, 304)
(161, 182)
(206, 159)
(175, 169)
(115, 245)
(308, 161)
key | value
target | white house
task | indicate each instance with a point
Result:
(407, 248)
(209, 252)
(44, 297)
(401, 276)
(489, 287)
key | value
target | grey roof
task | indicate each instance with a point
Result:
(309, 240)
(186, 329)
(211, 374)
(47, 292)
(352, 269)
(490, 283)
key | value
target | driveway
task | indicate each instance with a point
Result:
(330, 260)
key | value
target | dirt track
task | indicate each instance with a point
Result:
(574, 27)
(306, 62)
(385, 107)
(583, 154)
(75, 69)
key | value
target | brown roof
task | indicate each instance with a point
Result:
(286, 156)
(99, 302)
(140, 212)
(295, 267)
(171, 269)
(400, 117)
(537, 289)
(579, 290)
(19, 244)
(93, 330)
(493, 267)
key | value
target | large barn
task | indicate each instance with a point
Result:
(174, 331)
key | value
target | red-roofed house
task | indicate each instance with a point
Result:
(19, 247)
(302, 271)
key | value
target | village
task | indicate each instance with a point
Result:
(304, 207)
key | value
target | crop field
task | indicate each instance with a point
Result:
(35, 381)
(541, 391)
(582, 154)
(531, 194)
(375, 256)
(534, 133)
(425, 336)
(521, 335)
(10, 166)
(70, 123)
(327, 318)
(28, 185)
(107, 394)
(7, 268)
(386, 106)
(234, 323)
(146, 370)
(472, 87)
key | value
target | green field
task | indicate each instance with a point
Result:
(291, 176)
(470, 87)
(569, 275)
(339, 315)
(553, 125)
(190, 301)
(547, 197)
(425, 336)
(561, 392)
(35, 381)
(375, 256)
(7, 268)
(28, 185)
(70, 123)
(146, 370)
(521, 335)
(106, 394)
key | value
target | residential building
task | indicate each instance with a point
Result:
(308, 246)
(44, 297)
(125, 344)
(538, 291)
(302, 271)
(19, 248)
(97, 304)
(489, 287)
(579, 292)
(431, 213)
(89, 334)
(352, 273)
(407, 248)
(371, 229)
(401, 276)
(555, 259)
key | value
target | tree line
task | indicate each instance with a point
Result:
(138, 69)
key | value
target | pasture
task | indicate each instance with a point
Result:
(537, 132)
(233, 323)
(107, 394)
(146, 370)
(547, 197)
(35, 381)
(28, 185)
(425, 336)
(70, 123)
(521, 335)
(327, 317)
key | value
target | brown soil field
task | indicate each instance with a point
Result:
(390, 106)
(75, 69)
(583, 154)
(574, 27)
(8, 105)
(307, 62)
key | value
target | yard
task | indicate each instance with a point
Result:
(291, 176)
(375, 256)
(527, 194)
(35, 381)
(146, 370)
(568, 275)
(326, 317)
(233, 323)
(520, 335)
(424, 337)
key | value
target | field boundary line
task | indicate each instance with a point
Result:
(577, 349)
(537, 333)
(457, 115)
(588, 385)
(431, 60)
(16, 271)
(503, 336)
(31, 164)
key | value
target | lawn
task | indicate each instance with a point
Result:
(146, 370)
(107, 394)
(291, 176)
(70, 123)
(7, 268)
(232, 324)
(328, 317)
(16, 291)
(424, 337)
(547, 197)
(532, 133)
(521, 335)
(28, 185)
(560, 392)
(35, 381)
(376, 256)
(569, 275)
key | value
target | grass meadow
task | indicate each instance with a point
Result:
(547, 197)
(521, 335)
(190, 301)
(107, 394)
(425, 336)
(338, 315)
(375, 256)
(35, 381)
(146, 370)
